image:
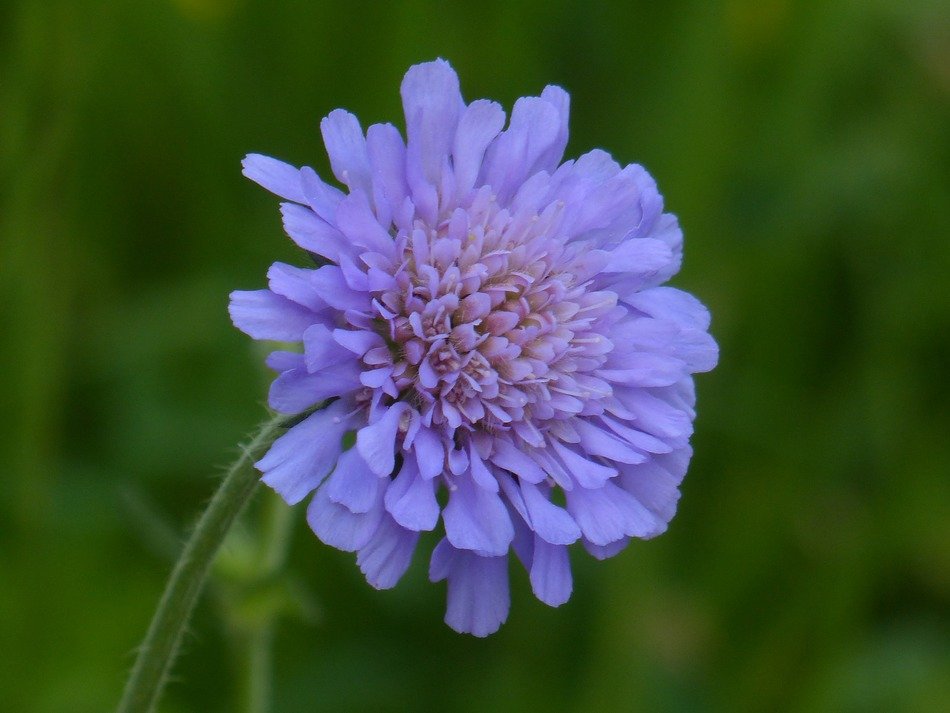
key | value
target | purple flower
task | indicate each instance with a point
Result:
(484, 320)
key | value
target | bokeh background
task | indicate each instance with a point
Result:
(805, 147)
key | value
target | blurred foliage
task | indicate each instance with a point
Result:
(805, 147)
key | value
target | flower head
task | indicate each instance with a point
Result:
(486, 321)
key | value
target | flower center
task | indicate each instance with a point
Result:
(490, 323)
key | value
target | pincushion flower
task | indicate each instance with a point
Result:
(482, 321)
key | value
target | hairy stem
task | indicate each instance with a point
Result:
(158, 651)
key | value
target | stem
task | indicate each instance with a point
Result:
(259, 664)
(259, 640)
(158, 651)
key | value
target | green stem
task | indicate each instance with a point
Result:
(259, 665)
(158, 651)
(259, 640)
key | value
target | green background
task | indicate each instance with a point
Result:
(805, 147)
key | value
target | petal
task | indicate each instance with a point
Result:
(410, 499)
(263, 315)
(561, 101)
(476, 519)
(329, 283)
(338, 526)
(320, 196)
(312, 233)
(655, 484)
(376, 378)
(357, 222)
(655, 415)
(387, 156)
(697, 349)
(603, 552)
(636, 438)
(322, 351)
(523, 544)
(550, 574)
(642, 257)
(276, 176)
(673, 304)
(295, 284)
(506, 456)
(480, 123)
(377, 441)
(440, 563)
(550, 522)
(281, 361)
(668, 230)
(513, 156)
(480, 473)
(478, 598)
(432, 102)
(353, 484)
(346, 147)
(430, 452)
(609, 513)
(586, 472)
(357, 341)
(643, 369)
(598, 442)
(297, 390)
(388, 554)
(299, 460)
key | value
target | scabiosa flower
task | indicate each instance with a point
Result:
(486, 322)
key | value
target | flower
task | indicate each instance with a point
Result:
(483, 321)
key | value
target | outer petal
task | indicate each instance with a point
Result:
(430, 452)
(377, 441)
(655, 484)
(387, 155)
(353, 484)
(643, 258)
(561, 101)
(359, 224)
(432, 102)
(478, 598)
(387, 555)
(598, 442)
(603, 552)
(263, 315)
(276, 176)
(328, 282)
(322, 351)
(481, 475)
(480, 123)
(476, 519)
(338, 526)
(411, 499)
(313, 233)
(655, 415)
(515, 154)
(671, 303)
(550, 522)
(346, 147)
(506, 456)
(295, 283)
(320, 196)
(297, 390)
(643, 369)
(585, 471)
(300, 459)
(609, 513)
(550, 573)
(357, 341)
